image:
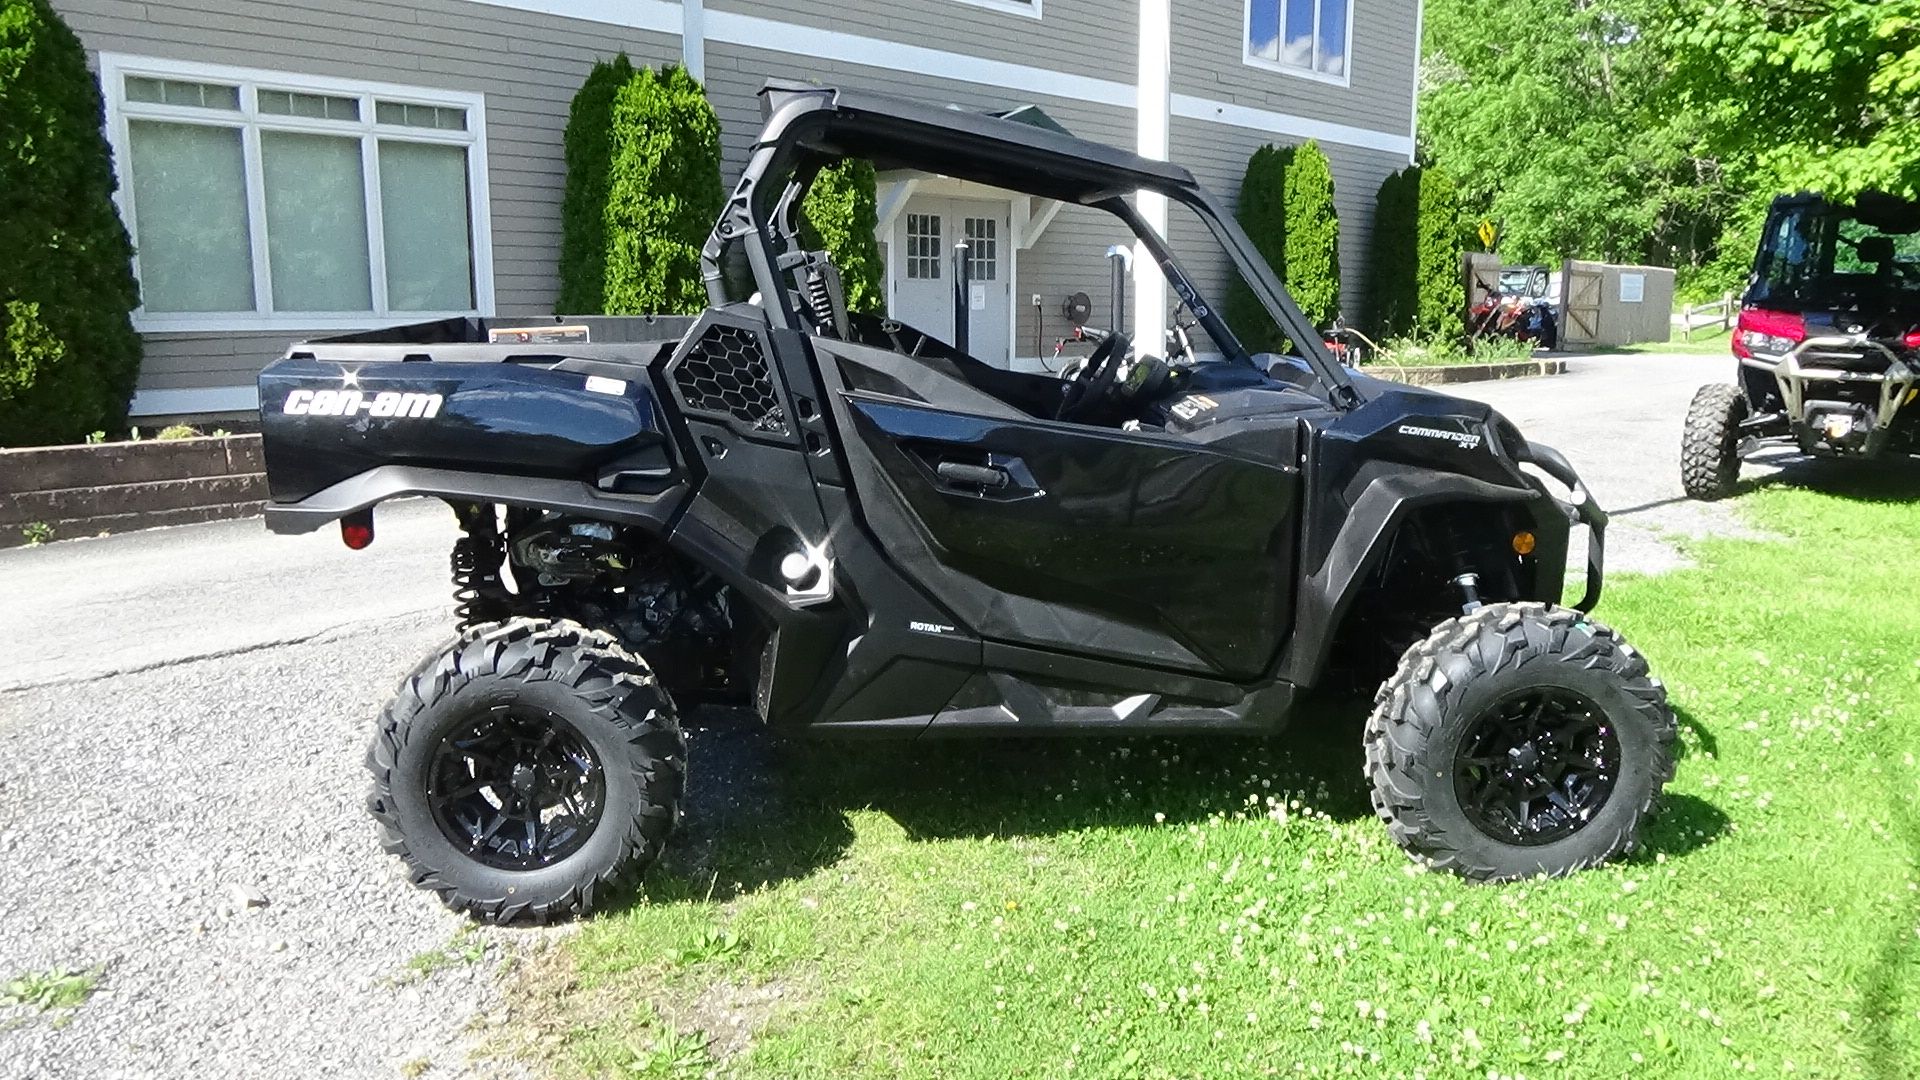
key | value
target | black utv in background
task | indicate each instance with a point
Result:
(861, 529)
(1828, 343)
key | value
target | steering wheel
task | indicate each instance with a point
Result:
(1095, 377)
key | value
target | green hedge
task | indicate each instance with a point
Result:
(1262, 213)
(663, 195)
(643, 191)
(68, 353)
(583, 208)
(1286, 207)
(1313, 235)
(839, 215)
(1414, 285)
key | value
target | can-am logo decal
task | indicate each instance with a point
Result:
(386, 403)
(1466, 439)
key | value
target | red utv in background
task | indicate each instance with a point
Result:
(1828, 342)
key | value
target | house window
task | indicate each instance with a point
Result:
(983, 249)
(1029, 8)
(1302, 37)
(924, 247)
(259, 199)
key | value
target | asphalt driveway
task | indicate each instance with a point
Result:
(185, 711)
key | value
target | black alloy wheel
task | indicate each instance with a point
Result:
(1519, 740)
(527, 771)
(516, 788)
(1537, 766)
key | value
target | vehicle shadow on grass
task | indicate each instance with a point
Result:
(1893, 480)
(763, 809)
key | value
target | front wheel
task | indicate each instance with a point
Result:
(526, 770)
(1710, 444)
(1520, 740)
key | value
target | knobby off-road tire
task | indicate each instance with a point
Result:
(615, 739)
(1710, 446)
(1466, 679)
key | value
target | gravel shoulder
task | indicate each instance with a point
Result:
(1619, 419)
(185, 712)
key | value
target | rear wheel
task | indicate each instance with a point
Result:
(1710, 445)
(527, 770)
(1519, 740)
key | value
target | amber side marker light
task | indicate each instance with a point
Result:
(1523, 543)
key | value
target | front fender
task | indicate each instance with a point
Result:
(1327, 593)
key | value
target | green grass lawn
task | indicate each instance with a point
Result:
(1705, 343)
(1189, 909)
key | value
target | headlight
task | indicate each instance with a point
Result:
(1755, 341)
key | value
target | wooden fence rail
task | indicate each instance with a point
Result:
(1720, 313)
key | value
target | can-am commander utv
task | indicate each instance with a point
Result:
(1828, 341)
(863, 530)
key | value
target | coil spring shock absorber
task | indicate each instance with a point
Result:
(478, 594)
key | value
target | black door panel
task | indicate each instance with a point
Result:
(1082, 539)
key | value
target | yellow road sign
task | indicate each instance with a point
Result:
(1487, 235)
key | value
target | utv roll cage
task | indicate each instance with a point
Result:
(809, 127)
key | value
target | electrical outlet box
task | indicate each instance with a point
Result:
(1036, 299)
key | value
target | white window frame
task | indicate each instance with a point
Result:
(1253, 59)
(1028, 8)
(116, 67)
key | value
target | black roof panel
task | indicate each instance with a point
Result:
(900, 133)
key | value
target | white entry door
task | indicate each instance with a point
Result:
(922, 287)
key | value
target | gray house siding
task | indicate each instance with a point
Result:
(1078, 63)
(1089, 37)
(1209, 42)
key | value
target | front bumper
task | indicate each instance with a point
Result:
(1840, 393)
(1582, 510)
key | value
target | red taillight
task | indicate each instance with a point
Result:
(1912, 340)
(357, 531)
(1768, 331)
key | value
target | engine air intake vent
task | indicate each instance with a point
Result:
(726, 373)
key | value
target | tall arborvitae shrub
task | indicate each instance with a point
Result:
(1414, 283)
(1313, 235)
(583, 208)
(68, 353)
(1442, 309)
(663, 193)
(1393, 269)
(839, 216)
(1262, 212)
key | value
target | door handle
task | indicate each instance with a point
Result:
(986, 476)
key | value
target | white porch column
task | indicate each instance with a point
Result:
(693, 39)
(1153, 110)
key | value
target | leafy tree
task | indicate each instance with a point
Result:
(68, 353)
(583, 208)
(663, 193)
(1312, 235)
(1554, 117)
(1262, 212)
(1821, 94)
(839, 215)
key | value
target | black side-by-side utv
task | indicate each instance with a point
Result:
(859, 529)
(1828, 342)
